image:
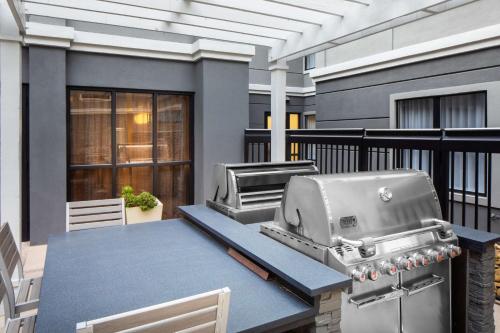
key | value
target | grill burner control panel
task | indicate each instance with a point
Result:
(405, 262)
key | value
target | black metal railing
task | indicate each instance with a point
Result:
(461, 162)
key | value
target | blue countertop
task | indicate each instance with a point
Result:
(307, 275)
(95, 273)
(475, 240)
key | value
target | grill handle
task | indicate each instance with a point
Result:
(422, 285)
(366, 246)
(377, 299)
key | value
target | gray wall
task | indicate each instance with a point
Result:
(47, 141)
(363, 100)
(221, 115)
(96, 70)
(260, 104)
(260, 73)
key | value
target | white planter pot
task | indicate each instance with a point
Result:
(136, 215)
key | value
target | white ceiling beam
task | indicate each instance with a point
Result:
(160, 15)
(270, 9)
(141, 23)
(360, 2)
(331, 7)
(18, 13)
(356, 23)
(219, 13)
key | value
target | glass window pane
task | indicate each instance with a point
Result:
(173, 188)
(90, 127)
(140, 178)
(134, 124)
(90, 184)
(466, 111)
(269, 123)
(173, 128)
(415, 113)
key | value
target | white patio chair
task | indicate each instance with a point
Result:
(29, 289)
(13, 323)
(207, 312)
(90, 214)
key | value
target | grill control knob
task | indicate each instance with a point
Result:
(387, 268)
(436, 256)
(418, 259)
(358, 275)
(403, 263)
(372, 274)
(453, 251)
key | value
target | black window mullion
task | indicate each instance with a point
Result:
(155, 145)
(436, 112)
(113, 144)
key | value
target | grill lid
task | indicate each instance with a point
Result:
(359, 205)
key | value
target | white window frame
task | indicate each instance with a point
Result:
(493, 105)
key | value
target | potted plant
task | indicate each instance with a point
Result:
(144, 207)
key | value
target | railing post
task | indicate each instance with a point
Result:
(441, 175)
(288, 151)
(245, 148)
(363, 154)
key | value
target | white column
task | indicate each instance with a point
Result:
(10, 123)
(278, 110)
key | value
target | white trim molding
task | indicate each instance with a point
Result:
(265, 89)
(455, 44)
(74, 40)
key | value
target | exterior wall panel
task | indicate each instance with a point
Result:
(96, 70)
(367, 96)
(47, 142)
(221, 116)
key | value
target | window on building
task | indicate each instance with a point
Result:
(310, 121)
(130, 138)
(450, 111)
(310, 61)
(292, 122)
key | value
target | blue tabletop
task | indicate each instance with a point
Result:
(95, 273)
(305, 274)
(476, 240)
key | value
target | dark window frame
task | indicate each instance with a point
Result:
(307, 65)
(155, 164)
(436, 116)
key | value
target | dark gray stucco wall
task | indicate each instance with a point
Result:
(47, 142)
(99, 70)
(221, 117)
(364, 100)
(260, 104)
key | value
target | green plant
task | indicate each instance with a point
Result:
(145, 200)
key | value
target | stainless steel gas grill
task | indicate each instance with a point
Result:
(385, 230)
(251, 192)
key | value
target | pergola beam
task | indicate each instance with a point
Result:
(164, 16)
(363, 20)
(18, 13)
(142, 23)
(331, 7)
(270, 9)
(220, 13)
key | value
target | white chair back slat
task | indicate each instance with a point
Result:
(9, 260)
(201, 313)
(91, 214)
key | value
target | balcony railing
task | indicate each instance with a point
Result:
(463, 163)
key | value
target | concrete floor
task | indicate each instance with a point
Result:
(33, 258)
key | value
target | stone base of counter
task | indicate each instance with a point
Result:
(328, 318)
